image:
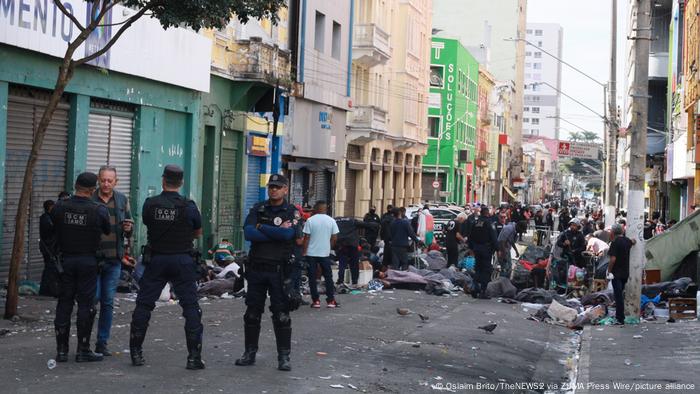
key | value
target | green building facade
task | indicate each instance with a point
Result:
(452, 113)
(138, 125)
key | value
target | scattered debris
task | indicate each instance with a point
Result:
(321, 354)
(337, 386)
(424, 317)
(403, 311)
(325, 377)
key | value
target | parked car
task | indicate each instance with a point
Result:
(441, 216)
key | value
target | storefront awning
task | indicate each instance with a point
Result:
(510, 192)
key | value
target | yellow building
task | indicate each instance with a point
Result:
(387, 125)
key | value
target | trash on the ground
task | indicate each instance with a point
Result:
(321, 354)
(403, 311)
(628, 362)
(227, 296)
(346, 376)
(637, 337)
(438, 378)
(51, 364)
(337, 386)
(353, 387)
(424, 317)
(561, 312)
(606, 321)
(325, 377)
(475, 348)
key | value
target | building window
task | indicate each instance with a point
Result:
(535, 121)
(526, 120)
(526, 109)
(320, 33)
(335, 52)
(528, 53)
(529, 31)
(535, 110)
(434, 125)
(538, 32)
(539, 43)
(535, 98)
(538, 55)
(537, 66)
(528, 65)
(537, 77)
(437, 76)
(535, 131)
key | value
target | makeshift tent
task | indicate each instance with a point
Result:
(666, 251)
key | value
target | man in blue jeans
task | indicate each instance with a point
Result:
(320, 234)
(112, 246)
(619, 268)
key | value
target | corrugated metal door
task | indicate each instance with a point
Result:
(109, 142)
(229, 192)
(427, 186)
(296, 194)
(252, 192)
(350, 188)
(321, 187)
(24, 111)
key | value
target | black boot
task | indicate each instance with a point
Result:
(62, 340)
(283, 336)
(102, 349)
(84, 354)
(136, 338)
(251, 330)
(194, 349)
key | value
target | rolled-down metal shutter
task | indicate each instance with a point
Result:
(322, 187)
(296, 194)
(109, 142)
(24, 111)
(252, 192)
(350, 188)
(229, 195)
(428, 192)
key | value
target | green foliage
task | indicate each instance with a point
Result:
(198, 14)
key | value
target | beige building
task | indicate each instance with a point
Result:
(538, 162)
(387, 124)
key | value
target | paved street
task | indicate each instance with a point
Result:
(650, 357)
(365, 344)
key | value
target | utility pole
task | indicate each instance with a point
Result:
(641, 34)
(611, 126)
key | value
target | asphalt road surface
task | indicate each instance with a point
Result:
(364, 346)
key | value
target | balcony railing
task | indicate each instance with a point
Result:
(370, 45)
(368, 118)
(254, 59)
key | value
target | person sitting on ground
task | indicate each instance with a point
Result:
(221, 251)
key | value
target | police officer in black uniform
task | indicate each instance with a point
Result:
(78, 223)
(173, 222)
(453, 237)
(271, 229)
(483, 241)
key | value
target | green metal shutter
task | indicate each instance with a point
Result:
(109, 142)
(230, 220)
(25, 108)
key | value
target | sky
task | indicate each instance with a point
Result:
(586, 46)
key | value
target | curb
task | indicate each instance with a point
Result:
(584, 362)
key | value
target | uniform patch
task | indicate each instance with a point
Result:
(277, 221)
(75, 219)
(165, 214)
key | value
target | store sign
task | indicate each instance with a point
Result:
(176, 56)
(578, 150)
(258, 146)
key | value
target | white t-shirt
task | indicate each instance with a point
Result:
(320, 228)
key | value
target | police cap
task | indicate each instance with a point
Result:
(86, 179)
(173, 173)
(277, 180)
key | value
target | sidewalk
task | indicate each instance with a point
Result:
(656, 357)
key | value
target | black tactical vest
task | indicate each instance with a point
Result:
(77, 227)
(481, 230)
(168, 229)
(273, 252)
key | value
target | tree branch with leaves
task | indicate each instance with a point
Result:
(170, 13)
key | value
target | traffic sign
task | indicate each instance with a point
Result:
(436, 184)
